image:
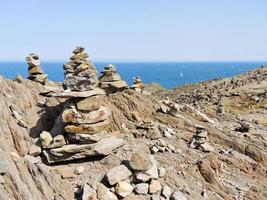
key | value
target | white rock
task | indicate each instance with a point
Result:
(178, 196)
(162, 172)
(124, 188)
(142, 188)
(45, 139)
(118, 174)
(166, 192)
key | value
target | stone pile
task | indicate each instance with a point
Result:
(200, 140)
(138, 85)
(80, 73)
(35, 71)
(110, 80)
(139, 179)
(80, 130)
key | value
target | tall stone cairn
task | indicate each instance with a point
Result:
(85, 121)
(80, 73)
(35, 71)
(138, 85)
(110, 80)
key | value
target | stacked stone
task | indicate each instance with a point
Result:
(84, 120)
(80, 73)
(110, 80)
(138, 85)
(35, 71)
(200, 140)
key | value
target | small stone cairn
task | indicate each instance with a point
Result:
(200, 140)
(84, 121)
(80, 73)
(138, 85)
(35, 71)
(110, 80)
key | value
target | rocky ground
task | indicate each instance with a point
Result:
(201, 141)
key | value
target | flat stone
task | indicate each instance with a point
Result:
(124, 188)
(81, 68)
(78, 151)
(46, 139)
(80, 83)
(87, 138)
(117, 174)
(109, 77)
(79, 56)
(40, 78)
(178, 196)
(154, 187)
(111, 87)
(78, 50)
(35, 70)
(35, 149)
(141, 188)
(73, 116)
(88, 128)
(88, 104)
(77, 94)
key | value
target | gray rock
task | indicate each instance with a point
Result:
(118, 174)
(162, 171)
(3, 167)
(141, 188)
(152, 173)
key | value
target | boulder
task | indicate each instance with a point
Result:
(141, 188)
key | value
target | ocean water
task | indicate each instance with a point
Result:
(167, 74)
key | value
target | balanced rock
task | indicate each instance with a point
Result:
(80, 73)
(35, 71)
(110, 80)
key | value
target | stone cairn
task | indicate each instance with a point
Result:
(138, 85)
(110, 80)
(200, 140)
(35, 71)
(80, 73)
(84, 121)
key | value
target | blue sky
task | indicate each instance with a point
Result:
(136, 30)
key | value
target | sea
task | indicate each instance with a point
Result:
(167, 74)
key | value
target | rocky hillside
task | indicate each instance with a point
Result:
(201, 141)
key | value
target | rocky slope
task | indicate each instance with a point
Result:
(227, 159)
